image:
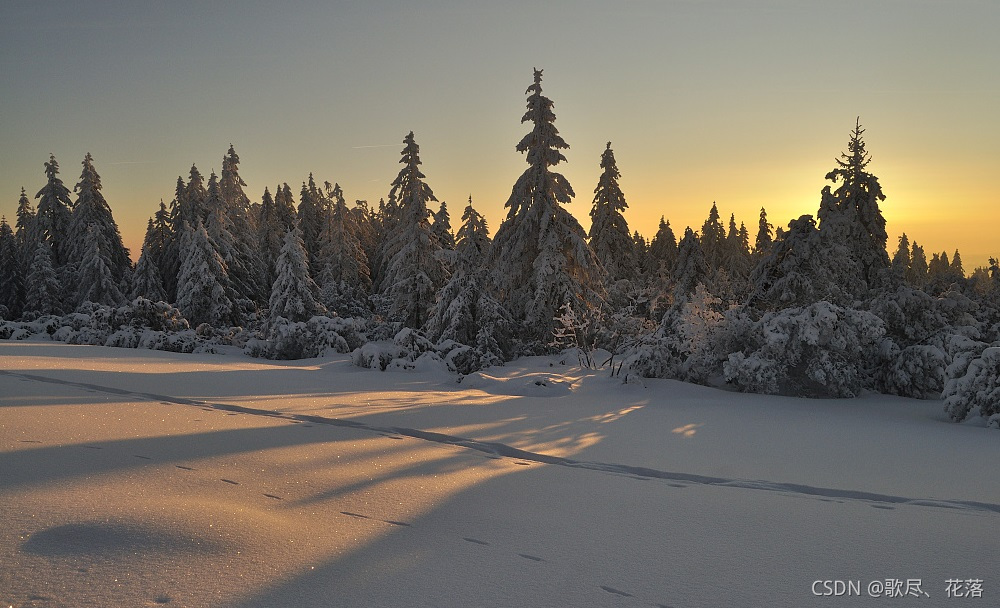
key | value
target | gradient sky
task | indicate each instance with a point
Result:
(746, 103)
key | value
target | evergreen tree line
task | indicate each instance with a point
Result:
(660, 302)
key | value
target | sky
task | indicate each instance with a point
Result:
(739, 102)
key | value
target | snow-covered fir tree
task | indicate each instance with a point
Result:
(92, 211)
(222, 233)
(662, 250)
(55, 210)
(713, 239)
(243, 229)
(416, 268)
(294, 295)
(916, 274)
(442, 227)
(465, 311)
(690, 267)
(25, 231)
(801, 268)
(204, 292)
(344, 278)
(762, 244)
(159, 240)
(901, 259)
(641, 248)
(97, 282)
(269, 235)
(43, 290)
(736, 251)
(957, 269)
(367, 224)
(540, 256)
(850, 215)
(312, 216)
(146, 280)
(191, 199)
(11, 276)
(609, 234)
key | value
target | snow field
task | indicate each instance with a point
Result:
(139, 478)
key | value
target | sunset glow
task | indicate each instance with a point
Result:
(744, 104)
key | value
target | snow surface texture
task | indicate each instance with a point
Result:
(147, 478)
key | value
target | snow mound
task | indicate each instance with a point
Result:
(522, 385)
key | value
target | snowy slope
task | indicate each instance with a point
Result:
(135, 478)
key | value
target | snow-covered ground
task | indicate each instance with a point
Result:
(142, 478)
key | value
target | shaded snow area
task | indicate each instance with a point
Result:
(147, 478)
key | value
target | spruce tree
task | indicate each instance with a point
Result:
(55, 210)
(161, 246)
(850, 215)
(204, 292)
(916, 274)
(294, 295)
(191, 198)
(690, 268)
(465, 311)
(243, 229)
(901, 259)
(763, 241)
(713, 239)
(92, 211)
(222, 233)
(609, 233)
(25, 231)
(662, 250)
(43, 290)
(97, 283)
(957, 270)
(540, 257)
(442, 228)
(269, 235)
(344, 278)
(11, 276)
(641, 249)
(415, 270)
(312, 217)
(146, 280)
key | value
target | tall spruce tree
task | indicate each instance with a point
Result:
(204, 291)
(540, 256)
(465, 311)
(294, 295)
(92, 211)
(764, 238)
(243, 229)
(916, 274)
(442, 227)
(713, 239)
(312, 217)
(97, 283)
(146, 280)
(43, 290)
(222, 233)
(609, 234)
(901, 259)
(690, 268)
(55, 209)
(416, 268)
(662, 250)
(11, 274)
(344, 278)
(25, 231)
(850, 215)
